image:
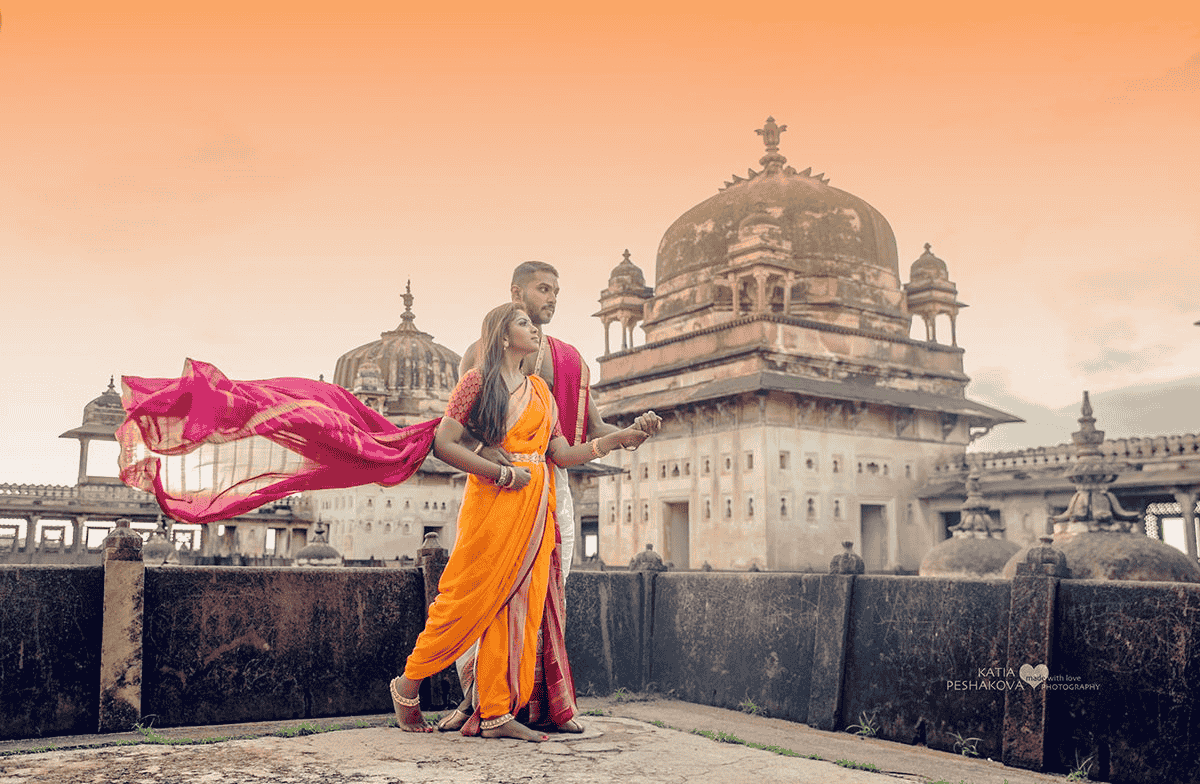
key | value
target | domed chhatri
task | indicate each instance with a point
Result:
(404, 374)
(1100, 539)
(623, 301)
(929, 294)
(973, 549)
(834, 254)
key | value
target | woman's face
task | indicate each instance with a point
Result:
(523, 333)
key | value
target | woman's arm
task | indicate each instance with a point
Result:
(447, 447)
(563, 454)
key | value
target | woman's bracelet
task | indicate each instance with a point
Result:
(500, 480)
(512, 477)
(596, 450)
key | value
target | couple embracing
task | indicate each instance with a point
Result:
(523, 399)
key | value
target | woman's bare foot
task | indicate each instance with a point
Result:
(408, 705)
(516, 730)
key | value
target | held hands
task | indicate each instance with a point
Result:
(648, 423)
(642, 428)
(512, 477)
(522, 478)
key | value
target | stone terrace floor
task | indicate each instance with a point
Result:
(634, 740)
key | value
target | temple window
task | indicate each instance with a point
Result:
(728, 508)
(811, 510)
(783, 508)
(749, 507)
(783, 459)
(749, 461)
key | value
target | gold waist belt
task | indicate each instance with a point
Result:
(527, 457)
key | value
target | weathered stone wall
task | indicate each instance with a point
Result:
(608, 629)
(1126, 679)
(230, 644)
(725, 639)
(919, 654)
(50, 619)
(924, 659)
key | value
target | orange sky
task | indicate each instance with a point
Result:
(254, 188)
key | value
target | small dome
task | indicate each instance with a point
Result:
(1114, 555)
(968, 556)
(319, 552)
(106, 409)
(928, 267)
(415, 374)
(626, 277)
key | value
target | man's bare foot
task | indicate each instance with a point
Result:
(454, 720)
(408, 705)
(516, 730)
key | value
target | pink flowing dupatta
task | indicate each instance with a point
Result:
(210, 448)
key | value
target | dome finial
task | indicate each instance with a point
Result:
(928, 248)
(770, 131)
(625, 256)
(407, 296)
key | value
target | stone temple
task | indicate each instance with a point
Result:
(799, 413)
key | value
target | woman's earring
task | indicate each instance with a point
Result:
(506, 342)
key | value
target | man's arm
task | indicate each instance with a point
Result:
(596, 425)
(495, 454)
(468, 360)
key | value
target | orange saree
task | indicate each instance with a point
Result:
(493, 590)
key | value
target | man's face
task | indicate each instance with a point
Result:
(538, 296)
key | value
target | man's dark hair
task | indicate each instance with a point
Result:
(528, 269)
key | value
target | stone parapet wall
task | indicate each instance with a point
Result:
(1149, 449)
(233, 644)
(1043, 672)
(50, 621)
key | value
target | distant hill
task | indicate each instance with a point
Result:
(1143, 410)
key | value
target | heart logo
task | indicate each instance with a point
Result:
(1035, 676)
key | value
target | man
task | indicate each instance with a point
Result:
(535, 287)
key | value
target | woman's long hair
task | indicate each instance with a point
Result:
(490, 413)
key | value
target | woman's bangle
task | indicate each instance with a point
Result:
(512, 477)
(500, 479)
(596, 450)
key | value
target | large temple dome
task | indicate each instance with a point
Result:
(404, 374)
(834, 251)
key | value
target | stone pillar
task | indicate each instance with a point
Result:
(760, 279)
(733, 286)
(607, 328)
(829, 645)
(441, 690)
(1187, 505)
(83, 453)
(788, 280)
(1030, 648)
(121, 638)
(78, 530)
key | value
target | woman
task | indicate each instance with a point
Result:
(493, 590)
